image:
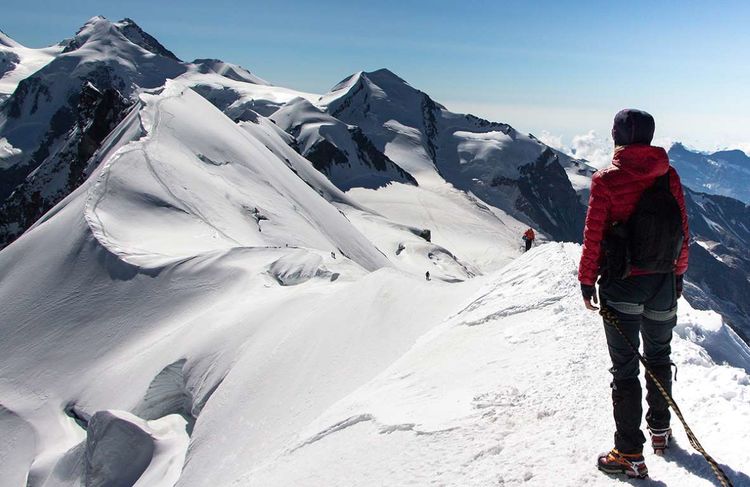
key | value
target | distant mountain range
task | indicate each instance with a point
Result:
(725, 172)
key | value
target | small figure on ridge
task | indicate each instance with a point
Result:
(528, 237)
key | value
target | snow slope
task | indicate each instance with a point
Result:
(235, 91)
(481, 237)
(217, 187)
(368, 379)
(18, 62)
(513, 390)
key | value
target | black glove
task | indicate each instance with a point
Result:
(678, 284)
(588, 291)
(589, 294)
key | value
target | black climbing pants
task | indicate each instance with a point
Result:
(528, 244)
(646, 307)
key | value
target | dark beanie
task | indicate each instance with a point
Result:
(633, 127)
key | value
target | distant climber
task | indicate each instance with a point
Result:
(333, 255)
(528, 237)
(427, 275)
(636, 238)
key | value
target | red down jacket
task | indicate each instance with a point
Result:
(615, 191)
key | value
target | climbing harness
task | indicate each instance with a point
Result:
(723, 479)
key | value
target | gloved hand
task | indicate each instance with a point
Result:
(589, 294)
(679, 282)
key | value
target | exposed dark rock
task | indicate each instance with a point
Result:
(93, 114)
(429, 111)
(550, 200)
(28, 93)
(138, 36)
(8, 62)
(348, 100)
(324, 154)
(371, 156)
(723, 225)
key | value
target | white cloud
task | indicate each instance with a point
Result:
(597, 150)
(590, 146)
(554, 141)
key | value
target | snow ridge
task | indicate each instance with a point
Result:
(535, 376)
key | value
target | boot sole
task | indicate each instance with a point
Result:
(618, 471)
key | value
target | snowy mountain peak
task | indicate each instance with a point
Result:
(734, 156)
(380, 85)
(108, 35)
(95, 29)
(138, 36)
(679, 147)
(387, 80)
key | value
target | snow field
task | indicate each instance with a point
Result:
(513, 390)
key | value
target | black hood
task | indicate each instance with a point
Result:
(633, 126)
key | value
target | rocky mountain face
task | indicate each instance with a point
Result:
(342, 152)
(97, 113)
(511, 171)
(724, 172)
(57, 117)
(719, 257)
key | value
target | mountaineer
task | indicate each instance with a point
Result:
(636, 239)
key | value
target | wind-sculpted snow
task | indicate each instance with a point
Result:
(298, 268)
(18, 448)
(166, 198)
(510, 401)
(321, 383)
(480, 237)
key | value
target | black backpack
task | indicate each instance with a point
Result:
(652, 237)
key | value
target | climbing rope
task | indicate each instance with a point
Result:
(723, 479)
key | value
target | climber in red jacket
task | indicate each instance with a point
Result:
(528, 238)
(641, 290)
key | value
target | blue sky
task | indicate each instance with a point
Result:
(560, 68)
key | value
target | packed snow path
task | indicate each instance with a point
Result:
(514, 390)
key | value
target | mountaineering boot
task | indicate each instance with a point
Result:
(632, 465)
(660, 439)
